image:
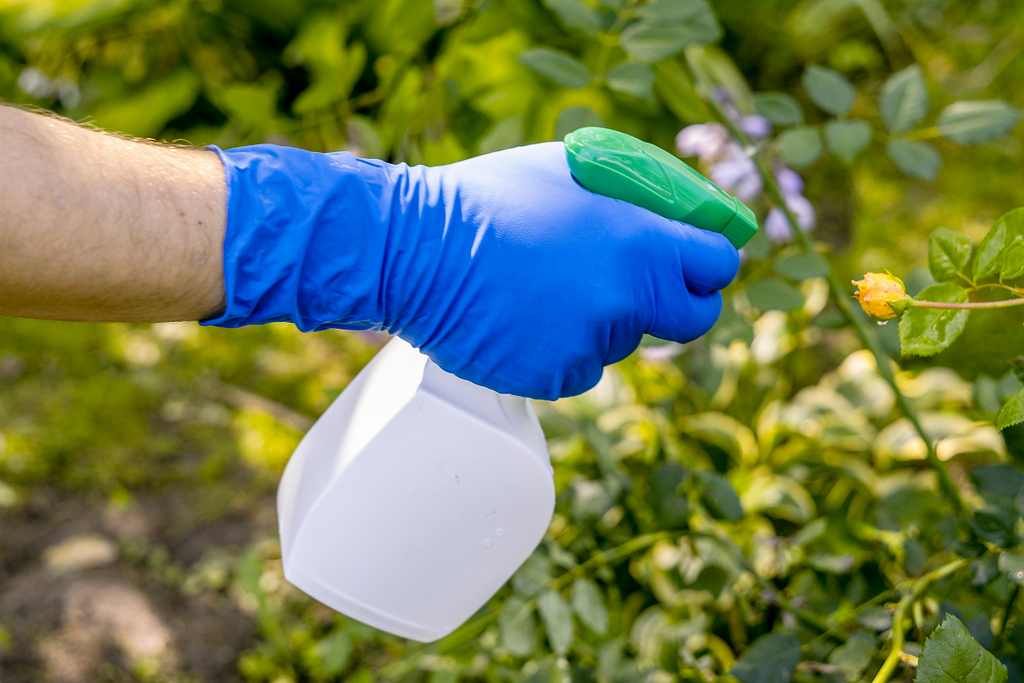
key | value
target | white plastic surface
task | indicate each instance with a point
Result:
(414, 497)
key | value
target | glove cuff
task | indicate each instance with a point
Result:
(286, 210)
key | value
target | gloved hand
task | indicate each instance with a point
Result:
(501, 268)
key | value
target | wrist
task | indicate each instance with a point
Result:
(285, 204)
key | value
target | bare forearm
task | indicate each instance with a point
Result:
(95, 227)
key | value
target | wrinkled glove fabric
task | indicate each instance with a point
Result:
(501, 268)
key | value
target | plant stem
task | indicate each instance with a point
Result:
(900, 615)
(847, 618)
(968, 280)
(1016, 290)
(970, 304)
(839, 294)
(1010, 599)
(612, 555)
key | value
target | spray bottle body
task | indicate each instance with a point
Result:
(414, 497)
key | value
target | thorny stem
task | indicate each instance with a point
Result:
(838, 290)
(900, 615)
(970, 304)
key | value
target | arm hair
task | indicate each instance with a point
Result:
(102, 227)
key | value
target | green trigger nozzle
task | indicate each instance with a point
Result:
(620, 166)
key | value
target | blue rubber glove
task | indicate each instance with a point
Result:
(501, 268)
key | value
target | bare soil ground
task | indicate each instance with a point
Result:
(92, 591)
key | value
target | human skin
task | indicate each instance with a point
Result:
(95, 227)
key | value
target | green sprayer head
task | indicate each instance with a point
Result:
(617, 165)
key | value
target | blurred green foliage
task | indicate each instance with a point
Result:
(752, 508)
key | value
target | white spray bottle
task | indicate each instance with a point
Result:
(417, 494)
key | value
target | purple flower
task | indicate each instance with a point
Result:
(704, 140)
(737, 174)
(34, 82)
(789, 180)
(723, 96)
(661, 352)
(777, 227)
(755, 126)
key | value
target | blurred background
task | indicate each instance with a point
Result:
(705, 492)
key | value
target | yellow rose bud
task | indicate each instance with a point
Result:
(879, 294)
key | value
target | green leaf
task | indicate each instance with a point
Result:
(970, 123)
(801, 267)
(847, 139)
(252, 104)
(780, 497)
(831, 564)
(588, 605)
(692, 12)
(994, 523)
(533, 576)
(557, 618)
(334, 86)
(772, 294)
(854, 656)
(828, 89)
(673, 507)
(575, 14)
(799, 146)
(779, 108)
(1000, 479)
(503, 135)
(719, 496)
(248, 573)
(926, 331)
(632, 79)
(916, 556)
(951, 655)
(1001, 252)
(518, 626)
(555, 65)
(363, 138)
(1012, 565)
(320, 47)
(876, 619)
(148, 109)
(772, 658)
(904, 100)
(1012, 411)
(810, 533)
(576, 116)
(914, 158)
(334, 652)
(667, 27)
(948, 253)
(675, 90)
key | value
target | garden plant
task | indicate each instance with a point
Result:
(808, 494)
